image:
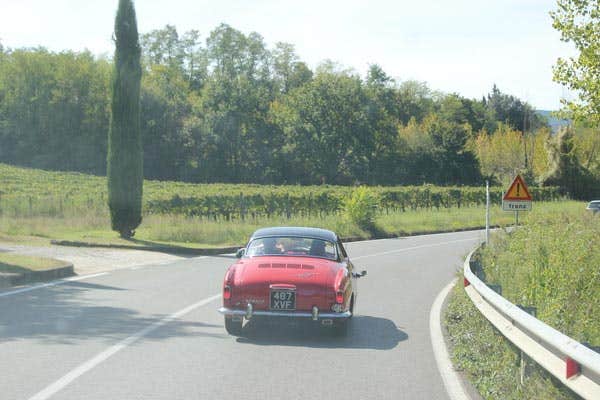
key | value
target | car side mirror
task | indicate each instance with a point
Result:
(240, 253)
(359, 274)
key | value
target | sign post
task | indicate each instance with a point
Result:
(517, 197)
(487, 212)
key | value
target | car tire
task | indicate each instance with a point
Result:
(233, 327)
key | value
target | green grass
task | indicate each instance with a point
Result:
(36, 206)
(551, 263)
(489, 361)
(28, 192)
(17, 263)
(180, 230)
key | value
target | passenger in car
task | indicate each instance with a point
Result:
(270, 246)
(317, 248)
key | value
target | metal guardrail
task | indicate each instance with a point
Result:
(575, 365)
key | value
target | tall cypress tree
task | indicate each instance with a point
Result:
(124, 167)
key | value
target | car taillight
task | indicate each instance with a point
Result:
(339, 297)
(226, 292)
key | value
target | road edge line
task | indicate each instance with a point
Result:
(452, 382)
(423, 246)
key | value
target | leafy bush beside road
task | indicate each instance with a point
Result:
(361, 207)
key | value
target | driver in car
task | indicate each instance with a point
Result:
(317, 248)
(270, 246)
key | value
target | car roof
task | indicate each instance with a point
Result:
(296, 231)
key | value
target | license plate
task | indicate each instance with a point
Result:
(283, 300)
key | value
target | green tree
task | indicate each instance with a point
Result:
(124, 169)
(453, 163)
(165, 105)
(382, 113)
(194, 59)
(460, 110)
(566, 170)
(513, 111)
(587, 146)
(437, 153)
(235, 101)
(327, 134)
(284, 59)
(500, 154)
(232, 110)
(414, 99)
(578, 21)
(54, 109)
(163, 47)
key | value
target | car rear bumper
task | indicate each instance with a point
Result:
(289, 314)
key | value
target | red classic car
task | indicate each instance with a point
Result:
(291, 272)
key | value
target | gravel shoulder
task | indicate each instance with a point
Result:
(93, 260)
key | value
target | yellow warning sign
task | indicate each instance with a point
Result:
(518, 190)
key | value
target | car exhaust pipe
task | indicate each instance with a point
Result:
(327, 322)
(315, 313)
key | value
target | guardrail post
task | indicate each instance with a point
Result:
(573, 368)
(524, 364)
(522, 368)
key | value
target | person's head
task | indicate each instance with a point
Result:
(270, 246)
(317, 248)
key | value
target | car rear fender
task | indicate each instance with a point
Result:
(342, 283)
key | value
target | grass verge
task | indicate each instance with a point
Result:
(194, 232)
(15, 263)
(550, 263)
(489, 361)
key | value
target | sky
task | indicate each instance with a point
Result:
(456, 46)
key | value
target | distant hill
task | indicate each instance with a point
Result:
(555, 123)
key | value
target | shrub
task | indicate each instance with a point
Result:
(361, 207)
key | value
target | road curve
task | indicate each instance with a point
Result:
(153, 332)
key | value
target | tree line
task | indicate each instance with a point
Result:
(231, 109)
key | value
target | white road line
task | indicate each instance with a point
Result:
(414, 248)
(169, 262)
(53, 283)
(450, 378)
(166, 262)
(419, 236)
(61, 383)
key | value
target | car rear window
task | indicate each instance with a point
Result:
(292, 246)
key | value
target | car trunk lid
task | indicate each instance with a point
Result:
(311, 279)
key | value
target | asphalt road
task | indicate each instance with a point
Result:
(153, 332)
